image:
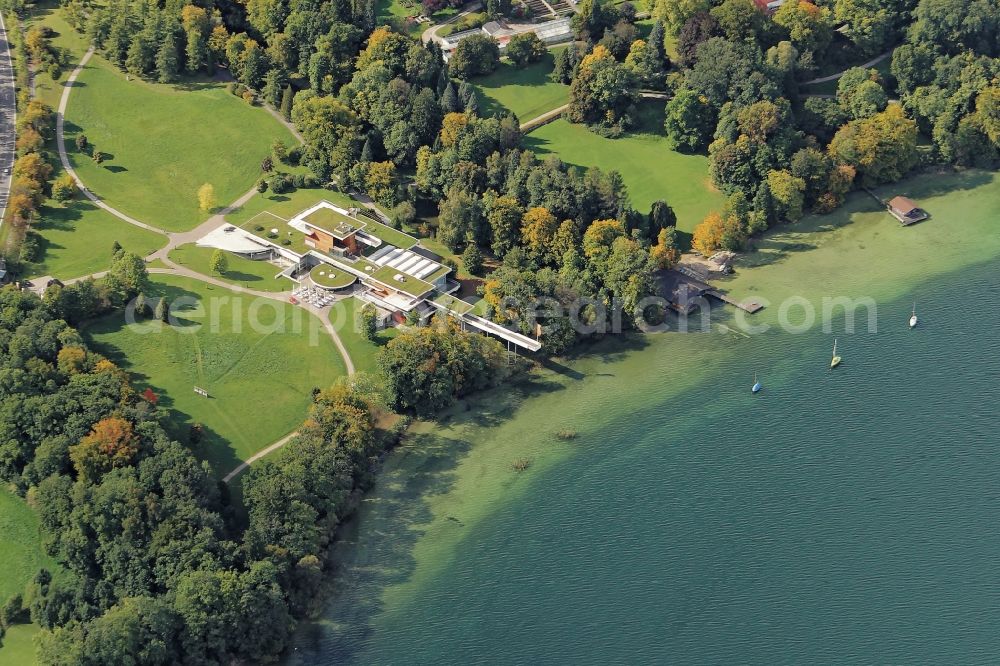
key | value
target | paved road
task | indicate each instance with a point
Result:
(8, 117)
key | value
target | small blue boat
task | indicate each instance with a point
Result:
(756, 384)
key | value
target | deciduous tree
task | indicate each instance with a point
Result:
(220, 262)
(206, 198)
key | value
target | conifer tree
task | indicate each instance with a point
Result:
(286, 103)
(449, 100)
(166, 60)
(162, 310)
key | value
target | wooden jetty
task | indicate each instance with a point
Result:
(752, 306)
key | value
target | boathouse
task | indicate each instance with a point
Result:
(906, 211)
(684, 293)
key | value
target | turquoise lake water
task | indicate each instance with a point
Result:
(843, 517)
(846, 516)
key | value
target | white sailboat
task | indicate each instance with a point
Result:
(913, 316)
(756, 384)
(835, 361)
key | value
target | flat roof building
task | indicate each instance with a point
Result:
(337, 244)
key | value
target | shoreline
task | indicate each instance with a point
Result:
(460, 485)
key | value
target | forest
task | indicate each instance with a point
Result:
(157, 565)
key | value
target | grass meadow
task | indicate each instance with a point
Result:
(74, 235)
(22, 556)
(163, 142)
(345, 317)
(259, 275)
(77, 237)
(650, 169)
(527, 92)
(259, 381)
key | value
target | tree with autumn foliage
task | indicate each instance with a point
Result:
(72, 360)
(111, 443)
(451, 128)
(598, 237)
(808, 26)
(665, 254)
(538, 227)
(707, 238)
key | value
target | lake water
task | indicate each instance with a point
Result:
(845, 516)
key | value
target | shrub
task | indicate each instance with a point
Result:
(403, 214)
(12, 612)
(280, 183)
(30, 248)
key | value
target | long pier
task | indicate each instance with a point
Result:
(751, 306)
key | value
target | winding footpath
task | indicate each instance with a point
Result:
(64, 157)
(839, 75)
(553, 115)
(175, 240)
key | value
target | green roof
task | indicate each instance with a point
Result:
(336, 224)
(325, 275)
(453, 304)
(390, 236)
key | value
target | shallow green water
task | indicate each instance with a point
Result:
(837, 517)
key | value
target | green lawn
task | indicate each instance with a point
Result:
(259, 360)
(18, 646)
(65, 40)
(395, 13)
(259, 275)
(164, 141)
(77, 239)
(527, 92)
(650, 169)
(345, 317)
(20, 548)
(469, 21)
(21, 556)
